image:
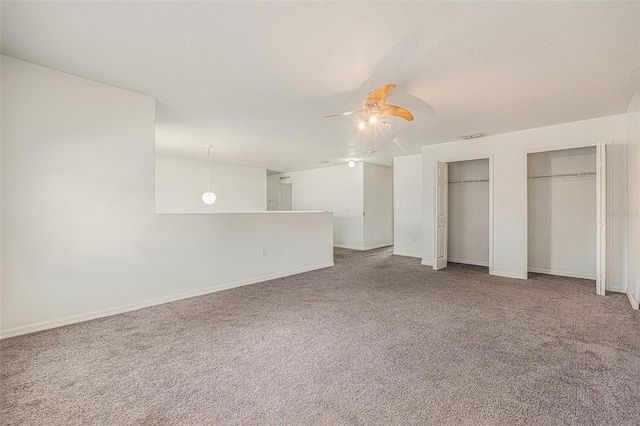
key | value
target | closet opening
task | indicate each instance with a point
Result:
(562, 213)
(463, 214)
(468, 212)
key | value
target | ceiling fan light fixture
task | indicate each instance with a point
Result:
(376, 110)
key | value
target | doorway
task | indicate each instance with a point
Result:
(463, 217)
(468, 195)
(286, 196)
(561, 211)
(566, 213)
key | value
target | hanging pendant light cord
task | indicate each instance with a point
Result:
(208, 166)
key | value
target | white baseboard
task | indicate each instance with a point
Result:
(404, 253)
(617, 290)
(633, 301)
(508, 275)
(345, 246)
(46, 325)
(378, 246)
(562, 273)
(467, 262)
(426, 262)
(359, 248)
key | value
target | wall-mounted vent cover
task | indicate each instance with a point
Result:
(474, 136)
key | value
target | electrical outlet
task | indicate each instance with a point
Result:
(264, 252)
(414, 238)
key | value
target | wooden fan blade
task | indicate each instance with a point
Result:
(377, 96)
(346, 113)
(397, 111)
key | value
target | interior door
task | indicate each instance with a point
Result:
(601, 219)
(442, 201)
(286, 196)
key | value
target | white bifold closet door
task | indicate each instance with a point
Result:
(562, 212)
(440, 217)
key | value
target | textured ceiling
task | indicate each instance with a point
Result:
(255, 79)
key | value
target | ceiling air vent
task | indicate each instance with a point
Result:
(474, 136)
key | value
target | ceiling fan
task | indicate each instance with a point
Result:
(376, 110)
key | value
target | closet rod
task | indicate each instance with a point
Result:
(562, 175)
(470, 181)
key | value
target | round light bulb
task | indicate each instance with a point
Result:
(361, 125)
(208, 198)
(373, 119)
(352, 164)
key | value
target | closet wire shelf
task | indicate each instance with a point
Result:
(470, 181)
(565, 175)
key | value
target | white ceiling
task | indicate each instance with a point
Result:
(255, 79)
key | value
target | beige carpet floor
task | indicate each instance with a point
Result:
(377, 339)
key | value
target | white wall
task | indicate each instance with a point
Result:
(468, 214)
(337, 189)
(633, 211)
(181, 182)
(562, 213)
(617, 238)
(348, 193)
(1, 193)
(407, 206)
(80, 236)
(509, 159)
(378, 206)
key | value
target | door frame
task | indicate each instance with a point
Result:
(456, 159)
(602, 199)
